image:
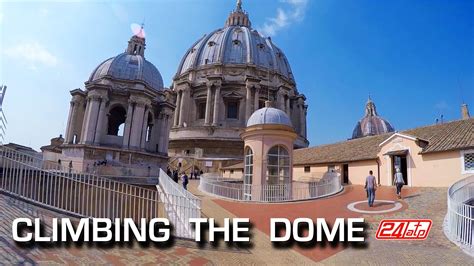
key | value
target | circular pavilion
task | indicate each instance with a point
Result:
(268, 164)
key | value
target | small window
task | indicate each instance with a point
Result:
(233, 110)
(201, 110)
(231, 171)
(307, 169)
(468, 161)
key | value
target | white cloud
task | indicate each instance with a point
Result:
(294, 12)
(33, 53)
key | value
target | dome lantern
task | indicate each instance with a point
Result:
(238, 17)
(136, 44)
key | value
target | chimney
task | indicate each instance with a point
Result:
(464, 112)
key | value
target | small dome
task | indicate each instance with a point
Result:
(267, 116)
(371, 124)
(130, 66)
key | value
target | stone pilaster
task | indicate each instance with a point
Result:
(207, 120)
(248, 101)
(287, 106)
(257, 98)
(217, 100)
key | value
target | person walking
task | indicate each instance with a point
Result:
(370, 186)
(175, 176)
(185, 180)
(399, 182)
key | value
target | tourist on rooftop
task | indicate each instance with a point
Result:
(370, 186)
(399, 182)
(175, 176)
(185, 180)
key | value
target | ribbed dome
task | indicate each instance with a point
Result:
(371, 124)
(130, 66)
(236, 44)
(269, 115)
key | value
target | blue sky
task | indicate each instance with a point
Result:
(415, 57)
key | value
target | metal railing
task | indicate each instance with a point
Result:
(235, 189)
(180, 205)
(459, 225)
(81, 194)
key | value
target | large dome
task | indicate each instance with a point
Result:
(130, 66)
(236, 44)
(371, 124)
(269, 116)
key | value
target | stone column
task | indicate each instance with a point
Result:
(256, 99)
(248, 102)
(280, 99)
(183, 107)
(305, 110)
(287, 102)
(92, 119)
(161, 131)
(207, 120)
(137, 125)
(177, 109)
(217, 100)
(144, 128)
(166, 132)
(101, 123)
(71, 121)
(84, 121)
(302, 117)
(128, 124)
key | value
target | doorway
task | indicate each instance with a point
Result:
(345, 173)
(400, 161)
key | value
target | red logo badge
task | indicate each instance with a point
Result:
(403, 229)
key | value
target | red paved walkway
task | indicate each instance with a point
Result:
(329, 208)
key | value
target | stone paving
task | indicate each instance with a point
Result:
(427, 203)
(420, 203)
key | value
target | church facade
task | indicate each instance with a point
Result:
(222, 79)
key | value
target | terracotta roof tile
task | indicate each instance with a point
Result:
(443, 137)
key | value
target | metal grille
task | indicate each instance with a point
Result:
(469, 162)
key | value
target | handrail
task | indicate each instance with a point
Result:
(81, 194)
(459, 221)
(297, 190)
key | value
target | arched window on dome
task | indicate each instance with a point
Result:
(248, 173)
(278, 165)
(116, 122)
